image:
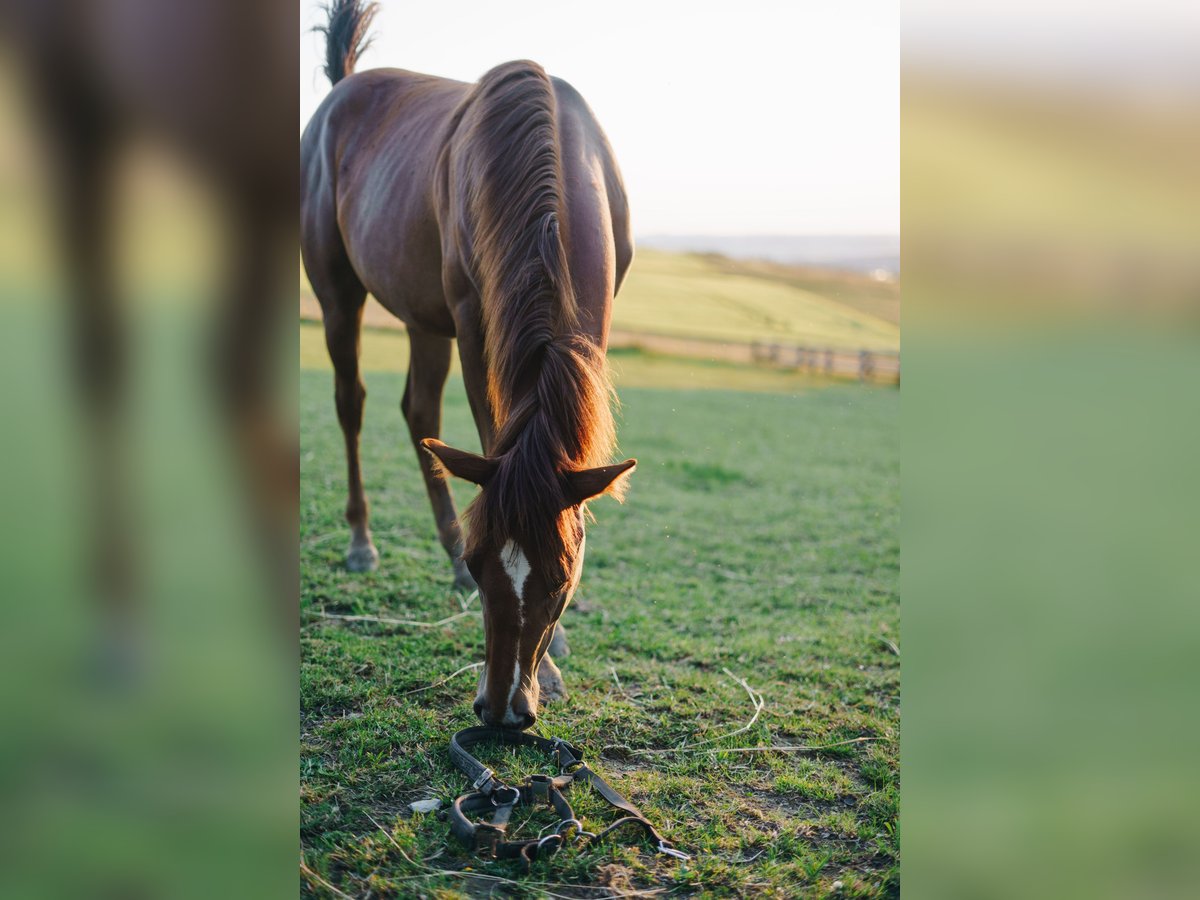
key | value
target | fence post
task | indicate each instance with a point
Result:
(866, 365)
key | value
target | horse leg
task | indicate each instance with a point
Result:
(82, 142)
(343, 323)
(558, 643)
(428, 366)
(252, 308)
(474, 369)
(550, 682)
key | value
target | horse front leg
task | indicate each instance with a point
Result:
(550, 681)
(429, 364)
(474, 369)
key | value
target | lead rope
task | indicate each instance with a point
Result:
(490, 793)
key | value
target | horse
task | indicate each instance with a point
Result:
(101, 77)
(493, 214)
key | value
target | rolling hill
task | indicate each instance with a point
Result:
(712, 297)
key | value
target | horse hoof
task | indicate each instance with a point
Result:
(362, 558)
(550, 682)
(558, 644)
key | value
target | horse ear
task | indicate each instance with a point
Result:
(588, 483)
(468, 466)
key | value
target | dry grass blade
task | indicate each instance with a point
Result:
(320, 539)
(796, 748)
(756, 699)
(383, 620)
(313, 876)
(442, 681)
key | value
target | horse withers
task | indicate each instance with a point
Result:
(492, 213)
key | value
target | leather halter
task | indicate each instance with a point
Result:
(489, 793)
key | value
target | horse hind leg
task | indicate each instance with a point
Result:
(559, 648)
(429, 364)
(342, 307)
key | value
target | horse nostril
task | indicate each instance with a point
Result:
(527, 721)
(479, 711)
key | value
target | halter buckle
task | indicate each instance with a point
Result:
(576, 755)
(483, 779)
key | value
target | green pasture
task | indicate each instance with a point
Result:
(759, 543)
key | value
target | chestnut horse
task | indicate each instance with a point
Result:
(492, 213)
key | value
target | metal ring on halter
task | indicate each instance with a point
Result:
(567, 823)
(516, 796)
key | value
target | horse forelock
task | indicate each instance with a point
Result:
(548, 385)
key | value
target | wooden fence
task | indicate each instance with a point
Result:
(864, 365)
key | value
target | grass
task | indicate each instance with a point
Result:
(759, 536)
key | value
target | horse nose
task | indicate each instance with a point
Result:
(479, 712)
(523, 715)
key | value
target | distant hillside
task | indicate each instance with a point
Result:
(875, 296)
(850, 253)
(715, 298)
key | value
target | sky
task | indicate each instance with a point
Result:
(735, 117)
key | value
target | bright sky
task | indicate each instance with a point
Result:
(730, 117)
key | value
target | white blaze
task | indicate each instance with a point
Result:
(516, 566)
(509, 718)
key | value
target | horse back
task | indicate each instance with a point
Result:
(369, 159)
(597, 232)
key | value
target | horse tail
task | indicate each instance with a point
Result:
(346, 35)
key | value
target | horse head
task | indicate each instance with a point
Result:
(526, 573)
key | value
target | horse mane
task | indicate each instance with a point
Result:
(548, 384)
